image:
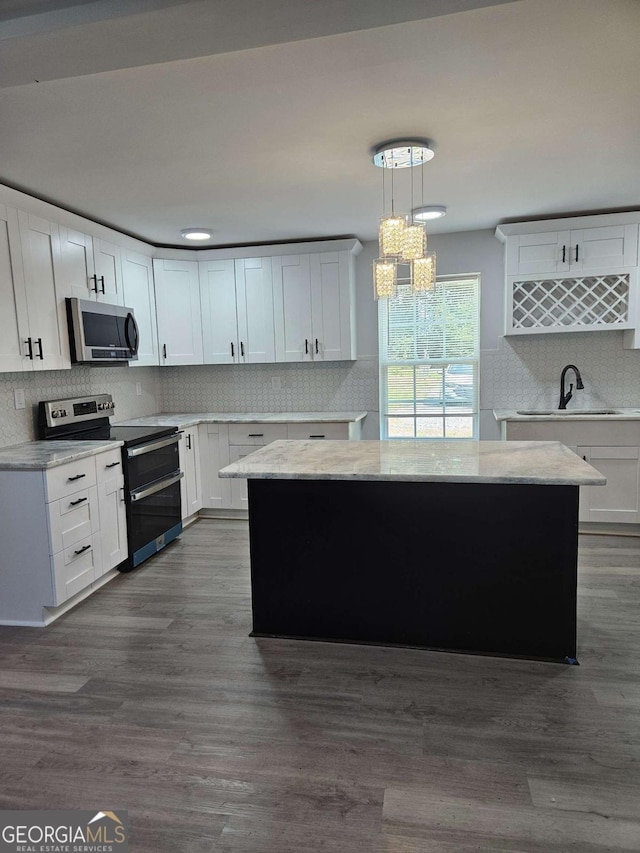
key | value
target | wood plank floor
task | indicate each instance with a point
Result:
(150, 696)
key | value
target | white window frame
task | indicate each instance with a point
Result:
(384, 363)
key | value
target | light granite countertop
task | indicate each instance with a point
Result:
(37, 455)
(614, 413)
(530, 462)
(193, 418)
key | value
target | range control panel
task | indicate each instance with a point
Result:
(75, 410)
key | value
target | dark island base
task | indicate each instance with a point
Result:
(463, 567)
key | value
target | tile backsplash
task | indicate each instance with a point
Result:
(18, 425)
(525, 371)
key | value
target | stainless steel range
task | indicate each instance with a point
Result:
(150, 463)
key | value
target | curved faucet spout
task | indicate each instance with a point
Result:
(565, 397)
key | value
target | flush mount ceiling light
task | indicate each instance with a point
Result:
(196, 233)
(429, 211)
(402, 239)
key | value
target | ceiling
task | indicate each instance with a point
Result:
(257, 118)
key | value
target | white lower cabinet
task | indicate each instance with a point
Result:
(214, 455)
(62, 529)
(619, 500)
(191, 483)
(612, 447)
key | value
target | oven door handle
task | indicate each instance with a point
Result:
(156, 487)
(151, 446)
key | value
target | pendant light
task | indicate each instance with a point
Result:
(402, 238)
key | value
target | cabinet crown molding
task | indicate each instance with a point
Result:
(566, 223)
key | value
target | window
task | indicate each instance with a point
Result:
(429, 354)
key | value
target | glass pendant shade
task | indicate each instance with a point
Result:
(414, 242)
(423, 273)
(391, 235)
(384, 278)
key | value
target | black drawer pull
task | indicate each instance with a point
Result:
(77, 477)
(256, 435)
(39, 344)
(30, 345)
(316, 436)
(317, 348)
(79, 501)
(564, 254)
(112, 465)
(83, 549)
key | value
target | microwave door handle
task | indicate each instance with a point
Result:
(132, 346)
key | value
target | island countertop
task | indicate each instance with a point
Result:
(525, 462)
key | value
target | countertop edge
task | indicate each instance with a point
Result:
(65, 457)
(512, 415)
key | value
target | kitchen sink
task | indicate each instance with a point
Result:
(564, 412)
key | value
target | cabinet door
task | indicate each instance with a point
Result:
(190, 485)
(605, 248)
(254, 302)
(619, 499)
(538, 254)
(178, 311)
(214, 455)
(77, 273)
(46, 312)
(331, 306)
(239, 492)
(139, 294)
(107, 259)
(292, 307)
(219, 325)
(14, 325)
(113, 522)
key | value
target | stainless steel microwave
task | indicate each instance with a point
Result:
(101, 333)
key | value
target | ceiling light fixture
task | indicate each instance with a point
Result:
(429, 211)
(196, 233)
(402, 239)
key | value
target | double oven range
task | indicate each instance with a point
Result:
(150, 464)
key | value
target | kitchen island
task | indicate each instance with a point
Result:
(466, 546)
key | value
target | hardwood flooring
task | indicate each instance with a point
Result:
(150, 696)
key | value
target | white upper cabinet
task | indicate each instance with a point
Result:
(314, 312)
(91, 268)
(601, 249)
(14, 324)
(237, 311)
(178, 311)
(254, 304)
(48, 339)
(139, 294)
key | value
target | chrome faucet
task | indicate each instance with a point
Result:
(564, 398)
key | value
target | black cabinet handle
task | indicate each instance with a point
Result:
(30, 352)
(112, 465)
(83, 549)
(256, 435)
(189, 441)
(79, 501)
(164, 350)
(77, 477)
(102, 280)
(39, 344)
(95, 279)
(242, 348)
(233, 354)
(306, 346)
(576, 251)
(317, 349)
(316, 436)
(564, 254)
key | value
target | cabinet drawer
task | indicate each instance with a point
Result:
(75, 568)
(108, 465)
(73, 518)
(67, 479)
(256, 434)
(304, 431)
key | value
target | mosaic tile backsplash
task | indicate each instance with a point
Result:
(523, 373)
(18, 425)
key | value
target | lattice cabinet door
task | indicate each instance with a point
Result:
(571, 304)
